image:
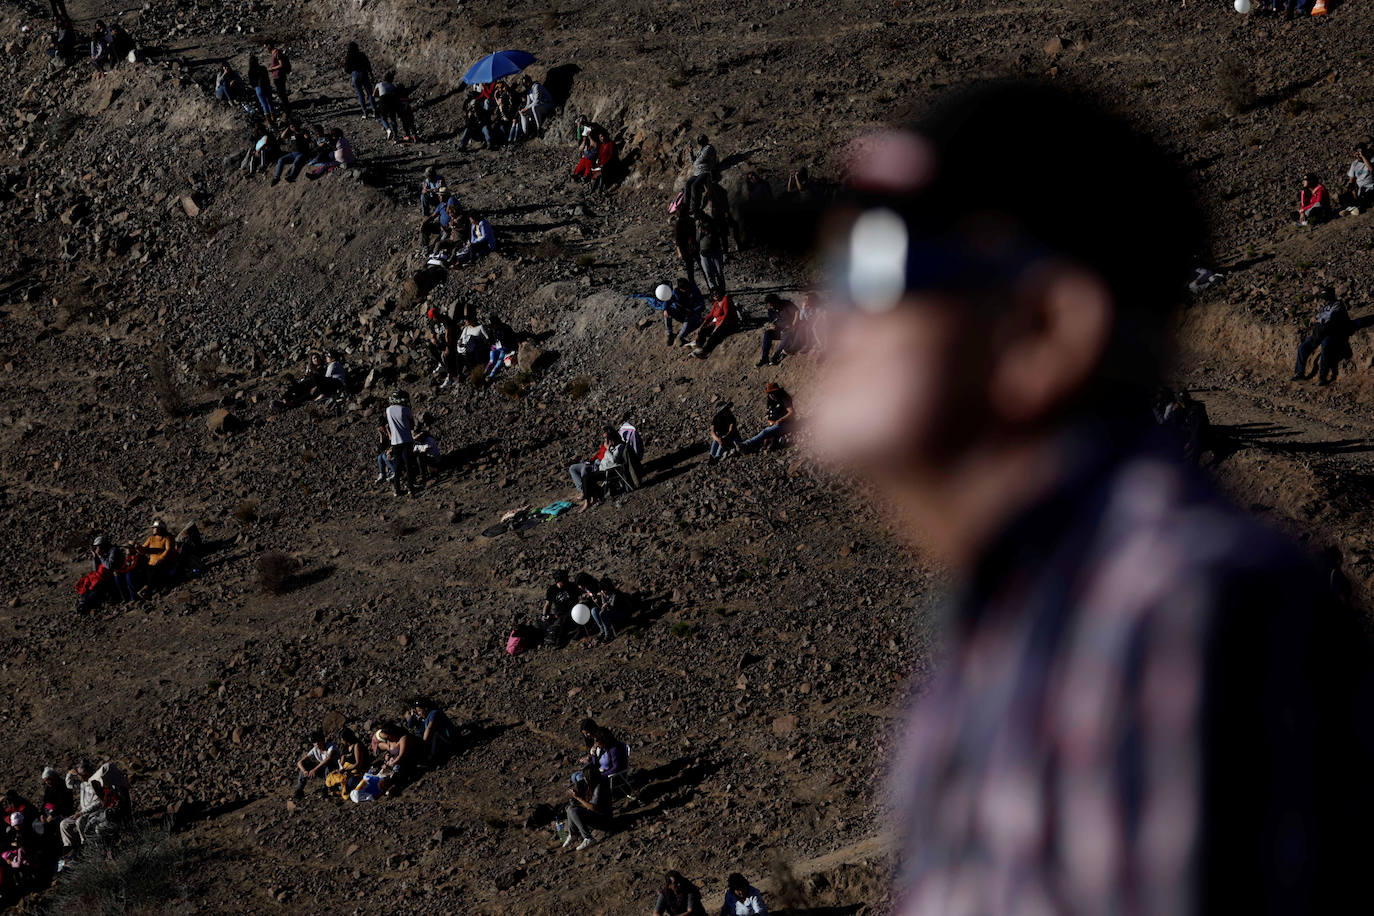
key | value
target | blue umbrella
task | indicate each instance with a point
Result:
(495, 66)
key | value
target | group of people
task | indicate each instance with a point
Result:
(325, 378)
(450, 235)
(294, 148)
(504, 113)
(680, 897)
(595, 151)
(386, 100)
(1316, 204)
(408, 454)
(363, 771)
(459, 345)
(572, 603)
(605, 762)
(726, 439)
(41, 839)
(127, 572)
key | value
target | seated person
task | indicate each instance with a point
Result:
(112, 562)
(437, 226)
(608, 753)
(481, 241)
(436, 731)
(781, 329)
(316, 761)
(1313, 206)
(476, 122)
(587, 476)
(298, 146)
(559, 599)
(725, 437)
(679, 897)
(1359, 181)
(306, 387)
(473, 343)
(353, 754)
(228, 84)
(403, 756)
(539, 105)
(335, 381)
(780, 415)
(386, 469)
(57, 799)
(503, 344)
(590, 808)
(742, 898)
(433, 191)
(720, 322)
(426, 451)
(160, 552)
(683, 304)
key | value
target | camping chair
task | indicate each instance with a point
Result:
(620, 475)
(624, 781)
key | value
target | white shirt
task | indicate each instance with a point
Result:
(399, 423)
(336, 370)
(470, 333)
(1360, 172)
(321, 756)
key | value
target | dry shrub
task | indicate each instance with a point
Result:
(274, 571)
(577, 388)
(246, 511)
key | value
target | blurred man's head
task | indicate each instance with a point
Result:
(989, 301)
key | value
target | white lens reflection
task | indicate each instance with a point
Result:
(878, 245)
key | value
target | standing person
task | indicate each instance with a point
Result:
(590, 808)
(780, 413)
(678, 897)
(685, 242)
(59, 10)
(385, 100)
(742, 898)
(261, 82)
(705, 164)
(1359, 180)
(279, 68)
(400, 426)
(1144, 704)
(711, 250)
(724, 431)
(316, 761)
(359, 70)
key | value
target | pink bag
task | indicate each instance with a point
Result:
(677, 202)
(516, 644)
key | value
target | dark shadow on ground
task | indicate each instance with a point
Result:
(307, 578)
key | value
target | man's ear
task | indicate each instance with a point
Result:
(1054, 346)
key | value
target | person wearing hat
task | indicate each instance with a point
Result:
(400, 426)
(1144, 701)
(682, 302)
(742, 898)
(433, 190)
(780, 413)
(160, 553)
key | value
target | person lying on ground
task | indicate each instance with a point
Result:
(682, 302)
(433, 191)
(724, 433)
(1359, 180)
(720, 322)
(436, 731)
(781, 330)
(1313, 206)
(318, 759)
(678, 897)
(590, 808)
(742, 898)
(359, 69)
(781, 415)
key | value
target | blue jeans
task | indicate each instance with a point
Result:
(222, 93)
(384, 465)
(713, 266)
(786, 341)
(364, 90)
(688, 327)
(498, 353)
(600, 624)
(768, 432)
(468, 137)
(718, 449)
(264, 99)
(295, 160)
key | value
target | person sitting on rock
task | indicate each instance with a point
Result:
(781, 329)
(504, 342)
(724, 433)
(720, 322)
(427, 452)
(678, 897)
(481, 241)
(588, 475)
(780, 413)
(91, 815)
(300, 146)
(441, 339)
(476, 123)
(100, 48)
(316, 761)
(306, 387)
(1313, 206)
(1330, 330)
(1359, 181)
(57, 799)
(539, 106)
(403, 757)
(438, 229)
(112, 562)
(160, 553)
(590, 808)
(335, 381)
(228, 84)
(684, 304)
(742, 898)
(505, 111)
(434, 728)
(559, 599)
(433, 191)
(473, 343)
(353, 753)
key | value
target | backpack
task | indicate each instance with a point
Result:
(677, 202)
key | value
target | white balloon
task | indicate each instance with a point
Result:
(1242, 6)
(665, 292)
(581, 614)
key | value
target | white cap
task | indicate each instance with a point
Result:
(49, 772)
(663, 293)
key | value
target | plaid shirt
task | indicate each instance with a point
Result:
(1145, 709)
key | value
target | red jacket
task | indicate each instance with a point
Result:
(1318, 196)
(722, 311)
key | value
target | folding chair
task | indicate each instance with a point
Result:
(624, 781)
